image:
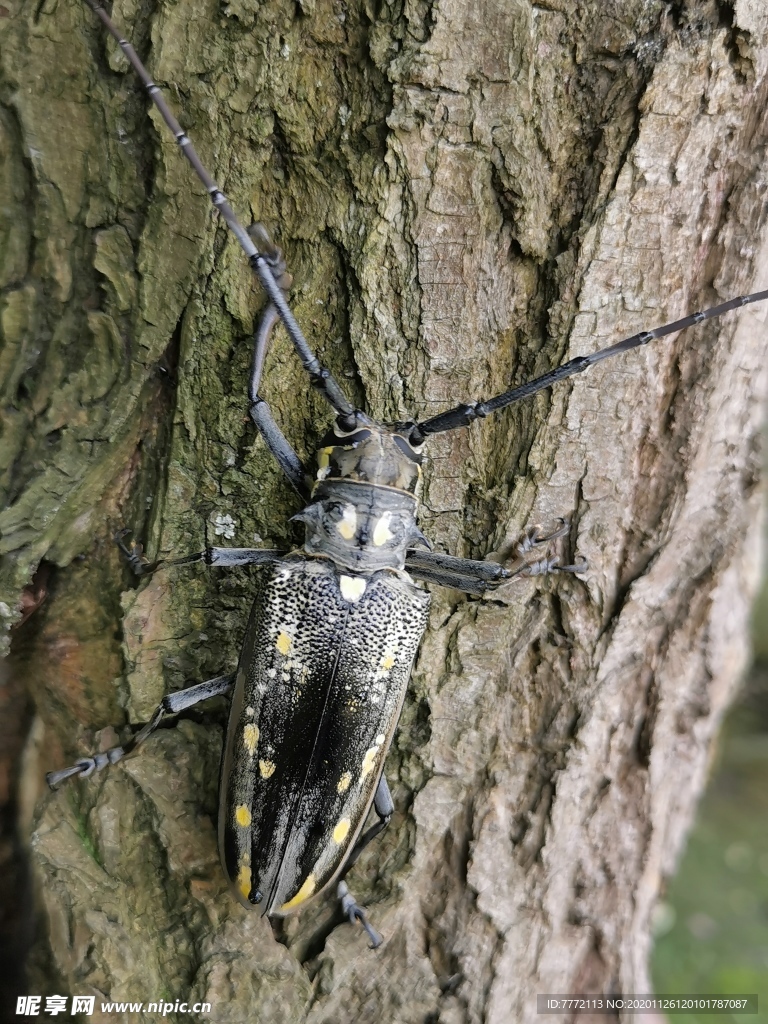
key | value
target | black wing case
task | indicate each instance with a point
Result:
(320, 685)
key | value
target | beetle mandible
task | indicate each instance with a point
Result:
(334, 627)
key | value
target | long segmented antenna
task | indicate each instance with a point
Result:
(320, 377)
(463, 415)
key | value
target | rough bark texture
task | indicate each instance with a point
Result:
(468, 193)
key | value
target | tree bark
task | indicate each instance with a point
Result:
(467, 194)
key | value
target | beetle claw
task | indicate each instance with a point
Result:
(134, 554)
(355, 912)
(84, 767)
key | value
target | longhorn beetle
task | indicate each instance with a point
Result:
(335, 626)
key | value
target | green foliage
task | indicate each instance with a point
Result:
(717, 905)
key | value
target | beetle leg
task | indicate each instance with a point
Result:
(261, 414)
(229, 557)
(171, 704)
(476, 577)
(225, 557)
(472, 580)
(471, 576)
(279, 446)
(384, 807)
(273, 257)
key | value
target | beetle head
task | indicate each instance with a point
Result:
(365, 451)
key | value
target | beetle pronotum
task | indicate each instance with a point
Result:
(335, 627)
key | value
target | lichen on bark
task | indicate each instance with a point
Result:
(467, 195)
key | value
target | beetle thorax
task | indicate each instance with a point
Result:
(363, 515)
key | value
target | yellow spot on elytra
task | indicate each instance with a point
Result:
(283, 643)
(347, 525)
(341, 831)
(388, 660)
(382, 532)
(242, 816)
(244, 880)
(303, 894)
(266, 769)
(250, 737)
(368, 761)
(352, 587)
(344, 781)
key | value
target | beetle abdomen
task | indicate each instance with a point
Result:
(320, 685)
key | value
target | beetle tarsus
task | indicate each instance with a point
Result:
(535, 537)
(134, 555)
(352, 909)
(581, 566)
(86, 766)
(373, 935)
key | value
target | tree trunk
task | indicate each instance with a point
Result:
(468, 194)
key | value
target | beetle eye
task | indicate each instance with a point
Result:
(407, 448)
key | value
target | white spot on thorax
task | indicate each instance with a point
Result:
(347, 525)
(382, 532)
